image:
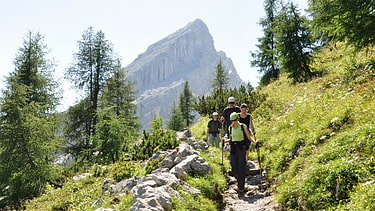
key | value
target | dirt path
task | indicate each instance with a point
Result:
(257, 197)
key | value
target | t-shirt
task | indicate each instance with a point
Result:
(226, 114)
(237, 133)
(214, 126)
(245, 120)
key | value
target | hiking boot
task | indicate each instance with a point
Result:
(241, 192)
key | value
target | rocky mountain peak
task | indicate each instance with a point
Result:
(161, 71)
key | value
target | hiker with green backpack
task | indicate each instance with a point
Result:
(238, 132)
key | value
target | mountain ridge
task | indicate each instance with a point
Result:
(159, 73)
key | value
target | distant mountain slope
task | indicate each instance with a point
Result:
(160, 72)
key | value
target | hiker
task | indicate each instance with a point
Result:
(213, 132)
(248, 121)
(237, 133)
(225, 117)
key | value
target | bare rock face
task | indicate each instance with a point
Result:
(160, 72)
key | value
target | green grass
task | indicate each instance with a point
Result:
(82, 194)
(318, 146)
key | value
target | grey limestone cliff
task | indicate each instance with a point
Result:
(160, 72)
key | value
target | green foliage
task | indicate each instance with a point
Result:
(153, 164)
(317, 137)
(124, 170)
(218, 101)
(153, 142)
(176, 121)
(157, 124)
(94, 65)
(28, 125)
(221, 80)
(192, 202)
(112, 138)
(186, 105)
(265, 58)
(293, 43)
(344, 20)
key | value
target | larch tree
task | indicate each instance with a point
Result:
(344, 20)
(28, 124)
(118, 124)
(265, 58)
(93, 66)
(294, 43)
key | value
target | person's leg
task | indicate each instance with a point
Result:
(247, 149)
(241, 167)
(217, 141)
(210, 140)
(233, 160)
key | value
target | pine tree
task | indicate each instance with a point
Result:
(176, 122)
(293, 43)
(186, 104)
(94, 65)
(221, 79)
(157, 124)
(28, 124)
(265, 57)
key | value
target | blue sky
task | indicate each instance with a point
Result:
(131, 26)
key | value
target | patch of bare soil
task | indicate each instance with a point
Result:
(257, 197)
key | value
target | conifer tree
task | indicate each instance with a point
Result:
(118, 124)
(157, 124)
(293, 43)
(175, 122)
(265, 58)
(221, 79)
(93, 66)
(186, 104)
(28, 124)
(344, 20)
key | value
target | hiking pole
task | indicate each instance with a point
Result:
(258, 153)
(222, 149)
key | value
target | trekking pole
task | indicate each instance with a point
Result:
(222, 149)
(258, 153)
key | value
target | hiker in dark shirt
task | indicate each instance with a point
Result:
(227, 111)
(248, 121)
(213, 132)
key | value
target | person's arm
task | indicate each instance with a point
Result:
(249, 137)
(252, 128)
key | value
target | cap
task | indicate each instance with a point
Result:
(231, 100)
(233, 116)
(215, 113)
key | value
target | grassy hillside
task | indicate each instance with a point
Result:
(318, 137)
(82, 194)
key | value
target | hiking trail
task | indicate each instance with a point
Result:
(256, 197)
